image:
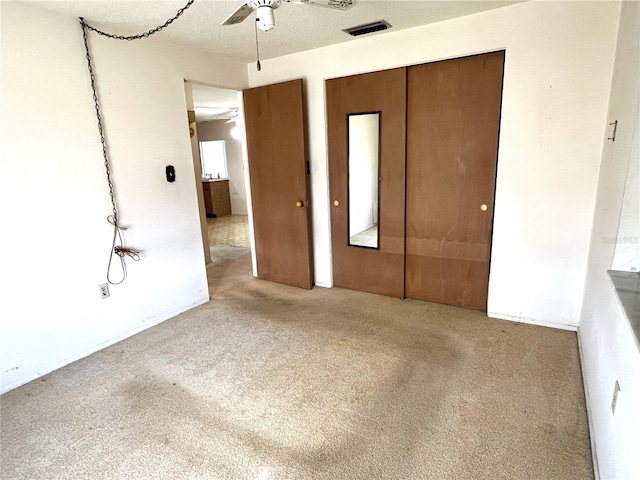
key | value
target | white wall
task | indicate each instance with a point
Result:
(221, 130)
(559, 58)
(55, 239)
(197, 172)
(608, 349)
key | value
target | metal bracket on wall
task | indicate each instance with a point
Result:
(615, 128)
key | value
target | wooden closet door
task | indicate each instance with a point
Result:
(276, 147)
(453, 118)
(358, 268)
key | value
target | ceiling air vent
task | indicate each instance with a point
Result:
(367, 28)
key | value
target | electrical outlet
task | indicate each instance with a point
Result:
(104, 290)
(614, 400)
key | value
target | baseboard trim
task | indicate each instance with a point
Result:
(532, 321)
(592, 436)
(323, 285)
(130, 333)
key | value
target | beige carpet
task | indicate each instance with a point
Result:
(272, 382)
(224, 253)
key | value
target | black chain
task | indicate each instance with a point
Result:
(119, 250)
(142, 35)
(99, 117)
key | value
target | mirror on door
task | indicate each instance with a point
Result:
(364, 175)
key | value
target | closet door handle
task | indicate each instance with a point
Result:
(484, 207)
(336, 203)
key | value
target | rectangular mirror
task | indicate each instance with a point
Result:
(363, 132)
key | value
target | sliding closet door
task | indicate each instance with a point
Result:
(453, 117)
(366, 135)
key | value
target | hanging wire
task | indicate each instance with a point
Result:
(117, 248)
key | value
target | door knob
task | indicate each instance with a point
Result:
(299, 204)
(483, 207)
(336, 203)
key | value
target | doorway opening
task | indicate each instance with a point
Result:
(220, 166)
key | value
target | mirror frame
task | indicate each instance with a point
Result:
(378, 239)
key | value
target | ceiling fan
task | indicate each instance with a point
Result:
(264, 10)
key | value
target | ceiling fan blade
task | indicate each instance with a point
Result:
(241, 13)
(335, 4)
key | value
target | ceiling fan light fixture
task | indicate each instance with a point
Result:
(264, 18)
(264, 13)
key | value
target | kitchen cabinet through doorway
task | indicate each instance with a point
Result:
(217, 201)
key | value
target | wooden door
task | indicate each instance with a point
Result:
(453, 118)
(366, 269)
(276, 147)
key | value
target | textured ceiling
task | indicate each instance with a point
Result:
(298, 27)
